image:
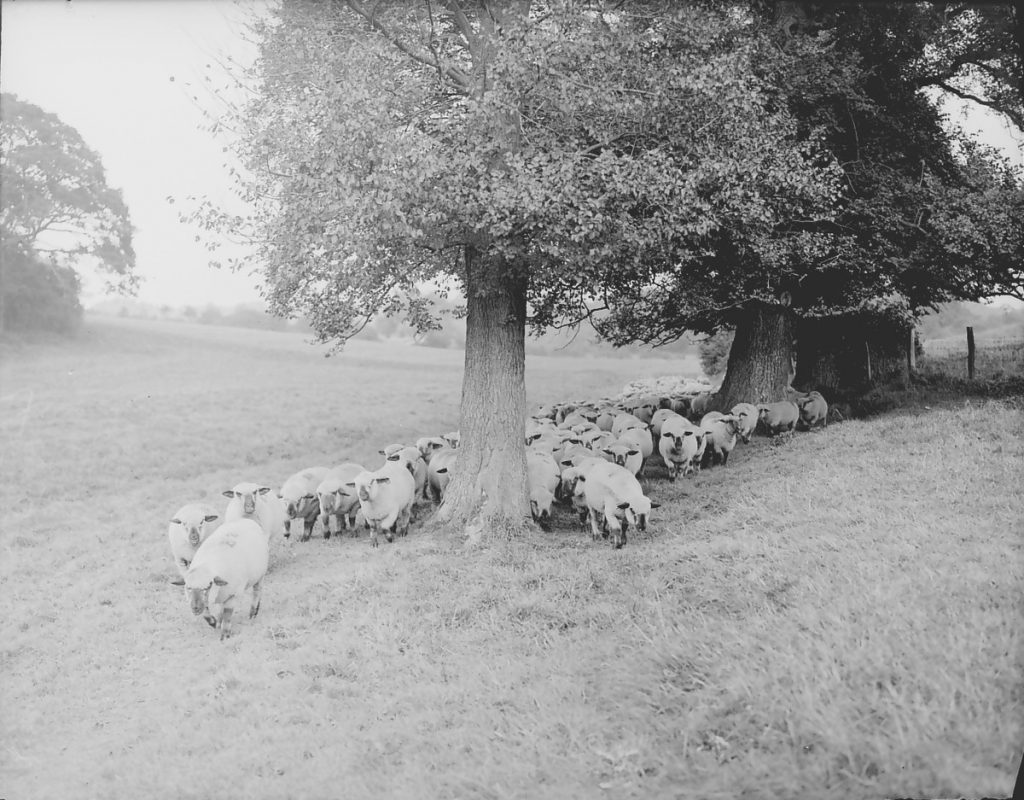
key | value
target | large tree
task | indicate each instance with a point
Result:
(925, 216)
(58, 218)
(547, 160)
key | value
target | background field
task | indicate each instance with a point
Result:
(834, 614)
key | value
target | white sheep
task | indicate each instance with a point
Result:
(253, 501)
(337, 501)
(385, 498)
(722, 431)
(188, 529)
(615, 501)
(543, 479)
(231, 561)
(778, 417)
(681, 444)
(747, 416)
(439, 471)
(813, 410)
(412, 458)
(625, 454)
(298, 494)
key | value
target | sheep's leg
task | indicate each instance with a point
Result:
(225, 622)
(594, 529)
(257, 594)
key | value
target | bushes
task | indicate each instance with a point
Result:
(38, 296)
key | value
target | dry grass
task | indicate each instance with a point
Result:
(836, 614)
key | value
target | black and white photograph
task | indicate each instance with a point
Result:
(511, 399)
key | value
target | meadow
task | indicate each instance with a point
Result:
(834, 614)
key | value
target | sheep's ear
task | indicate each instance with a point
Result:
(176, 521)
(382, 480)
(208, 518)
(442, 471)
(307, 497)
(624, 504)
(265, 489)
(382, 452)
(220, 581)
(581, 478)
(655, 505)
(393, 456)
(228, 493)
(351, 483)
(632, 452)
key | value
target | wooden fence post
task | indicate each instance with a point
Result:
(911, 352)
(970, 352)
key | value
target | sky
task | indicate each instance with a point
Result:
(105, 67)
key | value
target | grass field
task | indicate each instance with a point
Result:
(835, 614)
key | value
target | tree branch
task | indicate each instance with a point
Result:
(454, 74)
(1016, 117)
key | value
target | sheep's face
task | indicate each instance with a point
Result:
(198, 599)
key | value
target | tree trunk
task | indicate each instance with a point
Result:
(847, 356)
(761, 358)
(488, 492)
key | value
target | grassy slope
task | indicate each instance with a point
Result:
(836, 614)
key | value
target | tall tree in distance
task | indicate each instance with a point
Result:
(58, 219)
(546, 160)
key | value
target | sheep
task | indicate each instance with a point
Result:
(605, 418)
(615, 501)
(747, 416)
(570, 480)
(253, 501)
(644, 409)
(625, 454)
(625, 421)
(658, 419)
(721, 430)
(187, 530)
(680, 444)
(299, 496)
(641, 438)
(453, 438)
(385, 498)
(813, 410)
(439, 471)
(231, 561)
(428, 445)
(778, 417)
(413, 460)
(337, 501)
(543, 479)
(699, 405)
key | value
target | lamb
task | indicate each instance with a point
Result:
(699, 405)
(658, 419)
(778, 417)
(385, 498)
(542, 476)
(625, 454)
(231, 561)
(680, 444)
(428, 445)
(413, 461)
(813, 410)
(439, 471)
(187, 530)
(747, 416)
(615, 501)
(253, 501)
(337, 501)
(641, 439)
(625, 421)
(300, 500)
(721, 430)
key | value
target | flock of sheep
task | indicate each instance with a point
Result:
(588, 456)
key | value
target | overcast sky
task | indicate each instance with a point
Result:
(105, 67)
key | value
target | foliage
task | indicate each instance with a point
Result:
(714, 353)
(602, 153)
(58, 218)
(926, 215)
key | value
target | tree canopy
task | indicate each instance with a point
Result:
(925, 214)
(58, 217)
(596, 151)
